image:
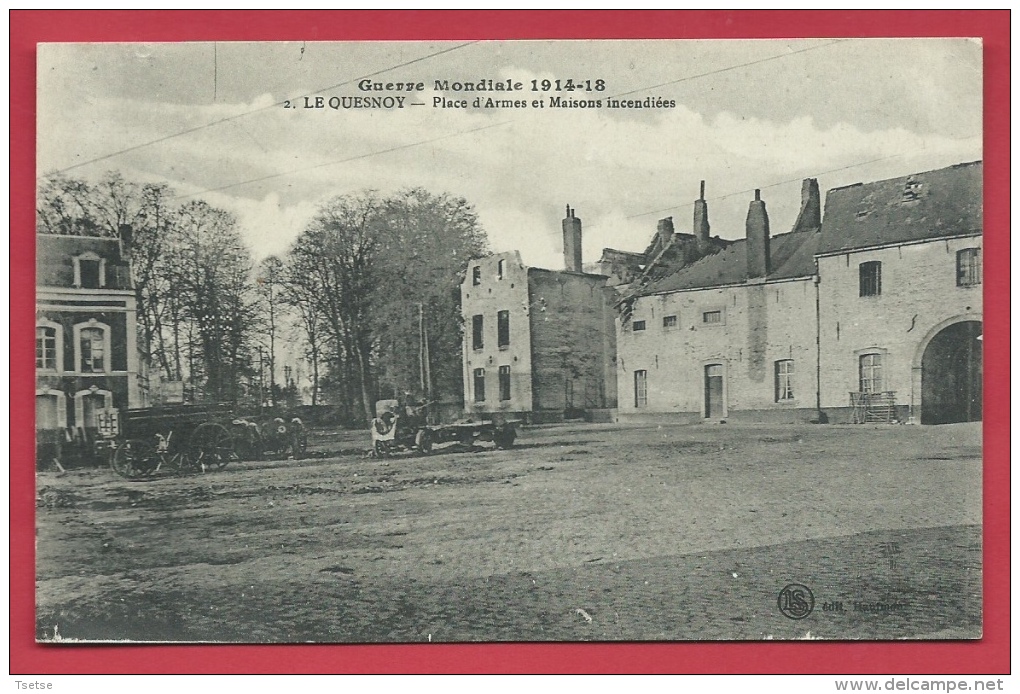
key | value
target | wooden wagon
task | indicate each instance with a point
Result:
(172, 439)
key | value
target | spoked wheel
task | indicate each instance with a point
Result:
(135, 459)
(423, 440)
(211, 446)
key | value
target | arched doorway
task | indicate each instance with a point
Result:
(951, 375)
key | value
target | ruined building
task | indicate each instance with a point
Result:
(538, 343)
(706, 340)
(667, 252)
(870, 313)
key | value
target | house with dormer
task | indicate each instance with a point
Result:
(86, 357)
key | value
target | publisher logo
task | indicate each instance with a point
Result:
(796, 601)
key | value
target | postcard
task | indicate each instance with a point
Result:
(514, 341)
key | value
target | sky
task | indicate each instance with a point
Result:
(211, 120)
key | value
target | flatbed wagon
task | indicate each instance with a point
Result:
(393, 431)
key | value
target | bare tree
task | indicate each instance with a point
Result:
(215, 274)
(268, 285)
(300, 292)
(416, 319)
(336, 256)
(379, 279)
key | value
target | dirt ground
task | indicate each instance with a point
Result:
(580, 532)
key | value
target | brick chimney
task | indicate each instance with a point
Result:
(810, 216)
(701, 226)
(571, 242)
(758, 261)
(125, 237)
(665, 232)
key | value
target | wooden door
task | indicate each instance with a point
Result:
(713, 391)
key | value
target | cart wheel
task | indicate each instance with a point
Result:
(423, 440)
(382, 449)
(134, 459)
(212, 446)
(504, 438)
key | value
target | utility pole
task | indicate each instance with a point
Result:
(423, 355)
(262, 382)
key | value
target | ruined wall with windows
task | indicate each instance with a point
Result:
(538, 343)
(497, 335)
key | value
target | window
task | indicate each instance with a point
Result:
(500, 269)
(89, 271)
(784, 380)
(46, 348)
(712, 317)
(479, 385)
(503, 329)
(477, 323)
(90, 274)
(968, 267)
(871, 373)
(669, 322)
(871, 278)
(504, 383)
(476, 275)
(639, 325)
(92, 345)
(641, 388)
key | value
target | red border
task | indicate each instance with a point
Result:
(988, 656)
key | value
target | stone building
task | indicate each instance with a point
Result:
(85, 336)
(899, 263)
(538, 343)
(872, 313)
(731, 332)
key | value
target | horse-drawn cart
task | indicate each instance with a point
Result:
(174, 439)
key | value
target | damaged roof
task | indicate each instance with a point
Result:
(933, 204)
(792, 255)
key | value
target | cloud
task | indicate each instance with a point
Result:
(268, 226)
(519, 167)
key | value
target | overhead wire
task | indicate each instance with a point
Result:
(769, 185)
(227, 119)
(466, 132)
(728, 68)
(345, 160)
